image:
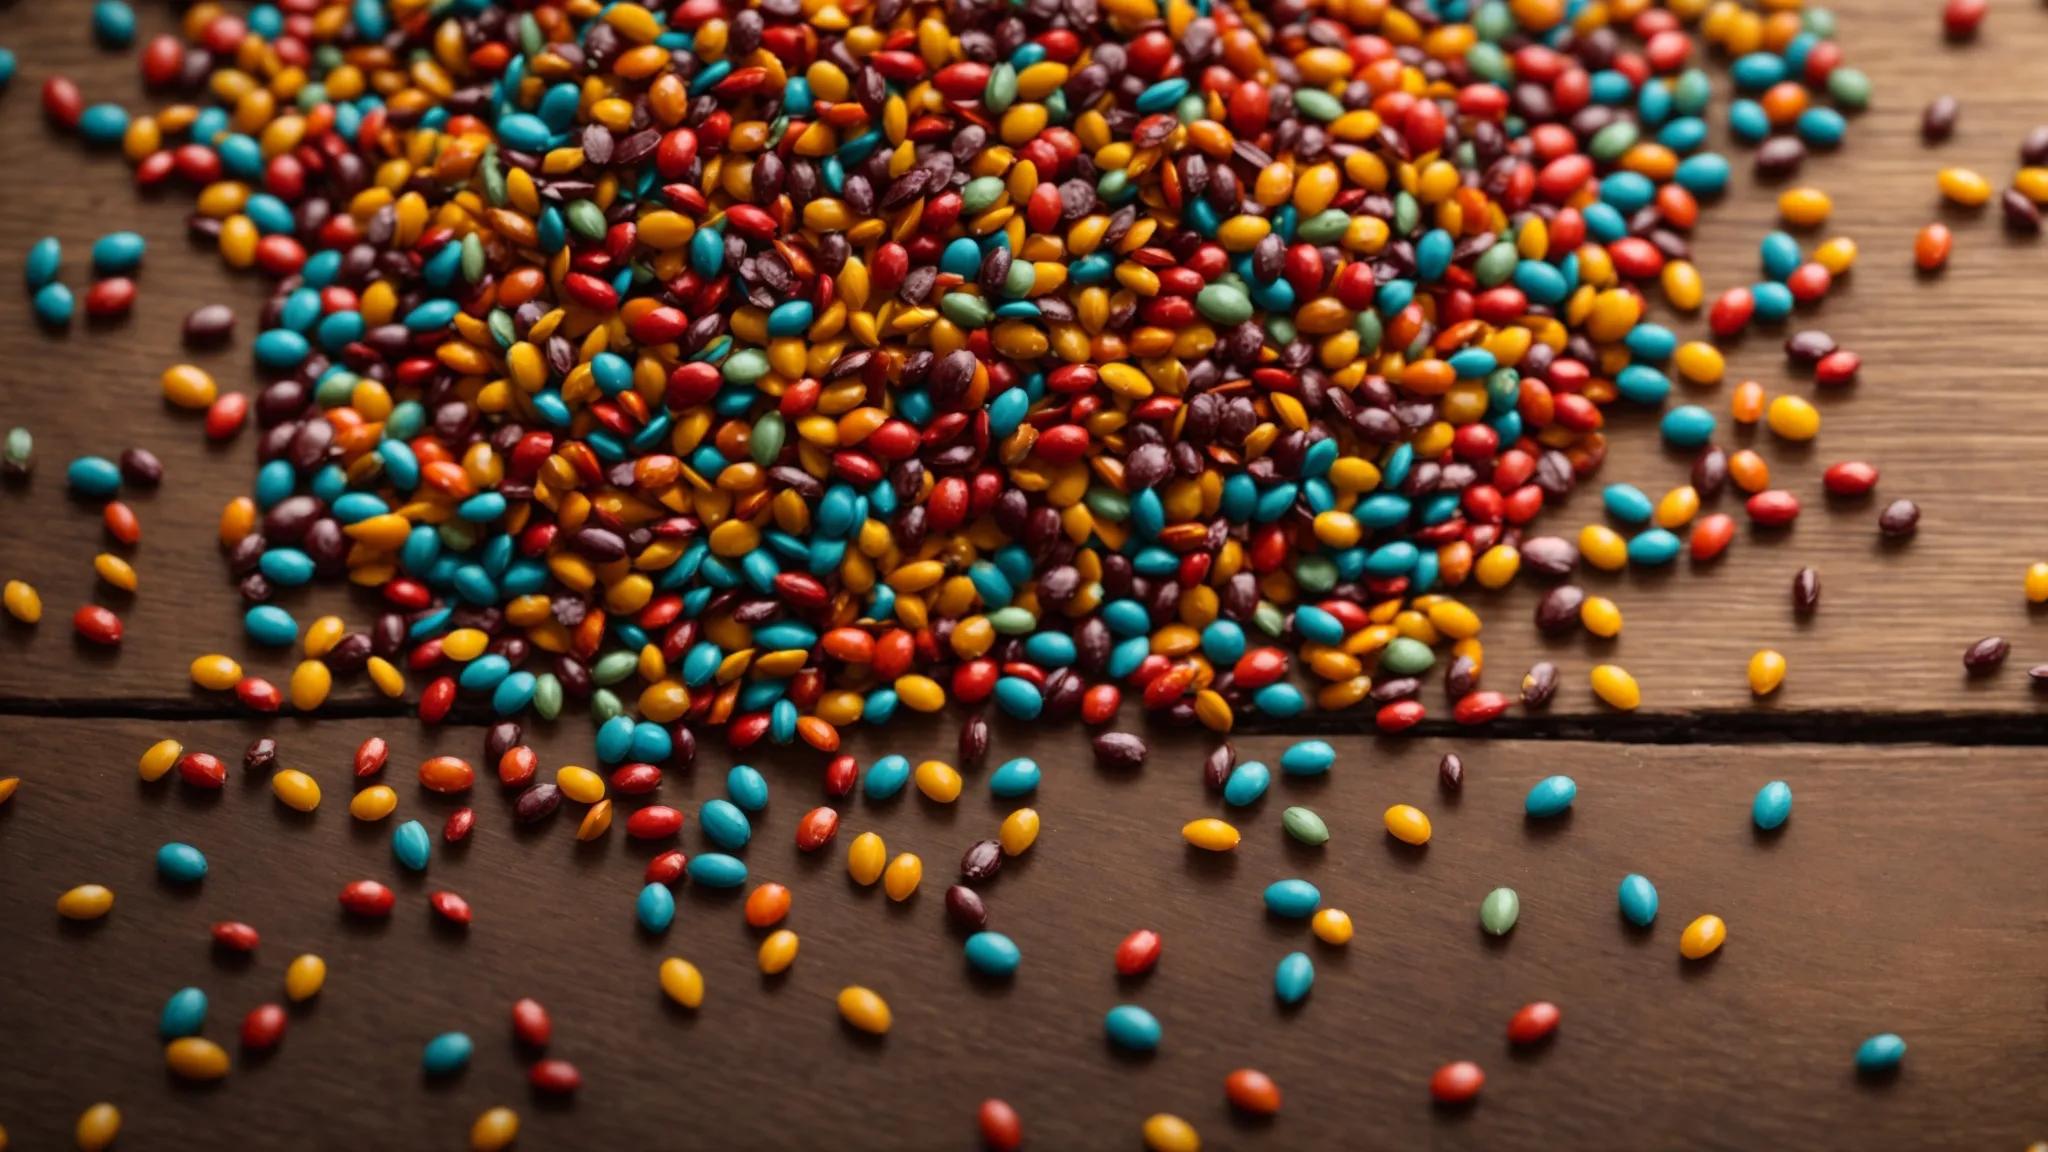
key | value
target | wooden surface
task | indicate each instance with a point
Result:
(1899, 898)
(1906, 895)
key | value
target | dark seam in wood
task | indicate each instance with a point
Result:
(1962, 729)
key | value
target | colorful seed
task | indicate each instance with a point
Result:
(1766, 671)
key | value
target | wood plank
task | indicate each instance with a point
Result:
(1902, 897)
(1948, 408)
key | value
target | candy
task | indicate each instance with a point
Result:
(1772, 806)
(1407, 824)
(446, 1054)
(195, 1058)
(180, 863)
(863, 1010)
(1702, 938)
(777, 952)
(1499, 911)
(1293, 977)
(304, 977)
(1533, 1023)
(1880, 1054)
(992, 954)
(681, 982)
(1456, 1083)
(494, 1130)
(1292, 899)
(1210, 835)
(1638, 900)
(184, 1014)
(85, 902)
(1131, 1028)
(1550, 796)
(1766, 671)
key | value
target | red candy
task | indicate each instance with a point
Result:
(459, 825)
(554, 1077)
(370, 757)
(1138, 952)
(1711, 535)
(235, 936)
(110, 298)
(226, 415)
(450, 907)
(1456, 1083)
(531, 1025)
(1960, 18)
(1774, 508)
(202, 770)
(97, 625)
(817, 828)
(368, 899)
(655, 822)
(666, 868)
(263, 1027)
(1534, 1023)
(1001, 1130)
(1849, 478)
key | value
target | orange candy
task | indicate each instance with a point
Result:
(767, 905)
(1250, 1090)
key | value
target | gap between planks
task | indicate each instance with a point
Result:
(1961, 729)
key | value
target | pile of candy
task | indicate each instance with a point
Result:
(780, 368)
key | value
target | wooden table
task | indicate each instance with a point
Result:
(1906, 894)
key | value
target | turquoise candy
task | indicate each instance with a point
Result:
(1292, 898)
(1772, 806)
(747, 787)
(1653, 547)
(270, 626)
(1293, 977)
(1688, 426)
(1551, 796)
(717, 870)
(886, 777)
(1499, 911)
(45, 257)
(184, 1014)
(117, 253)
(1638, 900)
(725, 825)
(656, 907)
(446, 1054)
(1308, 758)
(1132, 1028)
(1880, 1054)
(411, 844)
(1627, 503)
(993, 954)
(1017, 777)
(1246, 783)
(94, 476)
(181, 863)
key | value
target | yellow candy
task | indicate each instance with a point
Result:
(1804, 207)
(373, 803)
(1766, 671)
(1677, 507)
(494, 1130)
(920, 693)
(1614, 686)
(1601, 616)
(863, 1009)
(1331, 926)
(464, 644)
(579, 783)
(196, 1058)
(1683, 289)
(158, 759)
(865, 858)
(310, 684)
(8, 786)
(596, 822)
(85, 902)
(1702, 938)
(939, 781)
(97, 1127)
(188, 386)
(1792, 418)
(1497, 566)
(216, 672)
(2037, 583)
(22, 601)
(1210, 835)
(1699, 362)
(777, 952)
(1408, 824)
(1454, 619)
(303, 978)
(298, 791)
(681, 982)
(1837, 255)
(1165, 1132)
(386, 676)
(322, 635)
(1603, 548)
(1962, 186)
(901, 878)
(116, 571)
(1019, 832)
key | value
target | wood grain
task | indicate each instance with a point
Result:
(1949, 407)
(1903, 896)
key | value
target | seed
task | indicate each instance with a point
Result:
(1805, 591)
(1304, 825)
(1120, 751)
(1899, 519)
(1985, 655)
(1766, 671)
(1938, 120)
(1499, 911)
(1539, 684)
